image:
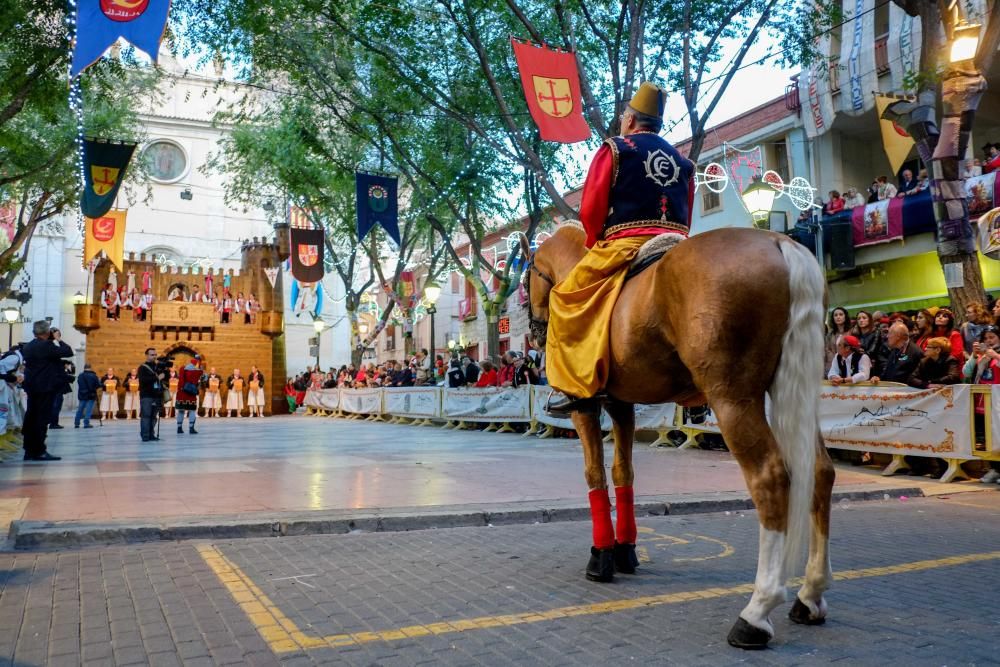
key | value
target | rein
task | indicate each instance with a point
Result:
(537, 327)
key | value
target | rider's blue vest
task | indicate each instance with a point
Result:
(650, 184)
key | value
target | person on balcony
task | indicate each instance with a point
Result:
(992, 163)
(835, 205)
(907, 184)
(853, 199)
(886, 190)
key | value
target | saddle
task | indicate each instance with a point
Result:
(651, 252)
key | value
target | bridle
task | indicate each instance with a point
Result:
(537, 327)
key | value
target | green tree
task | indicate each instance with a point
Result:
(39, 180)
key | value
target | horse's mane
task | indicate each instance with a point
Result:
(573, 223)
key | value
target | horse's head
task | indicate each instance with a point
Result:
(545, 268)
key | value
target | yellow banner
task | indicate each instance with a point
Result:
(895, 140)
(106, 233)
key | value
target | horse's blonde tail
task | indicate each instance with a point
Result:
(795, 393)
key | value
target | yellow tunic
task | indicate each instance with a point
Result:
(578, 351)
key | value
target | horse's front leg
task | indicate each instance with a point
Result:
(601, 564)
(622, 474)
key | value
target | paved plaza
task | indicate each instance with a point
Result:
(298, 464)
(916, 585)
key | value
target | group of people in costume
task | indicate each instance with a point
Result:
(242, 393)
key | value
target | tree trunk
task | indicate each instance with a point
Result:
(492, 312)
(941, 151)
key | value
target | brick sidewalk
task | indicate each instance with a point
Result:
(300, 464)
(919, 590)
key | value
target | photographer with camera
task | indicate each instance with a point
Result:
(151, 375)
(44, 376)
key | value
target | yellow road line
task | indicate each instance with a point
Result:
(283, 635)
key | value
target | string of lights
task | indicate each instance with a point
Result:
(76, 103)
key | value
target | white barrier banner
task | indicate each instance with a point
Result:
(539, 397)
(655, 417)
(413, 401)
(994, 422)
(487, 404)
(898, 420)
(326, 399)
(361, 401)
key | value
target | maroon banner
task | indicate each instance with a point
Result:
(879, 222)
(307, 247)
(552, 89)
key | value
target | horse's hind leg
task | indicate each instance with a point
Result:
(622, 474)
(601, 564)
(810, 607)
(753, 445)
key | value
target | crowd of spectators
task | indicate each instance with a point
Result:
(923, 349)
(513, 369)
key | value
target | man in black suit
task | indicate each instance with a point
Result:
(903, 356)
(44, 376)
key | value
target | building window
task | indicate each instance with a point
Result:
(456, 281)
(781, 160)
(710, 201)
(165, 161)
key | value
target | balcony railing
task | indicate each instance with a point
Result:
(834, 75)
(792, 101)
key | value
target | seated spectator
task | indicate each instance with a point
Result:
(835, 205)
(853, 199)
(851, 365)
(838, 324)
(487, 375)
(524, 370)
(330, 382)
(907, 184)
(944, 326)
(976, 318)
(886, 190)
(983, 367)
(471, 370)
(903, 356)
(872, 344)
(923, 328)
(992, 152)
(937, 367)
(505, 377)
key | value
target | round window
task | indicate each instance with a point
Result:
(165, 161)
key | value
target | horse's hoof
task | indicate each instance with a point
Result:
(800, 614)
(625, 559)
(601, 566)
(747, 637)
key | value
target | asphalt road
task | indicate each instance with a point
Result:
(917, 585)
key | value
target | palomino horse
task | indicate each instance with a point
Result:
(726, 317)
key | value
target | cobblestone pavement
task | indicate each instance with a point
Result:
(295, 464)
(916, 586)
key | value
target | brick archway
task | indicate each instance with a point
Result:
(183, 351)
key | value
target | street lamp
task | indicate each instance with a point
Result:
(759, 200)
(432, 292)
(12, 315)
(964, 41)
(78, 298)
(318, 328)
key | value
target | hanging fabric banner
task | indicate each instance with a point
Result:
(857, 57)
(895, 140)
(104, 166)
(272, 274)
(903, 46)
(107, 233)
(989, 233)
(99, 24)
(551, 85)
(879, 222)
(377, 205)
(307, 254)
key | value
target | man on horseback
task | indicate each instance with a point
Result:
(638, 186)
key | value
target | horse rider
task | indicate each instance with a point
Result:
(638, 186)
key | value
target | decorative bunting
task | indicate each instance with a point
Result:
(104, 170)
(272, 274)
(107, 233)
(895, 140)
(551, 85)
(99, 24)
(307, 254)
(377, 205)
